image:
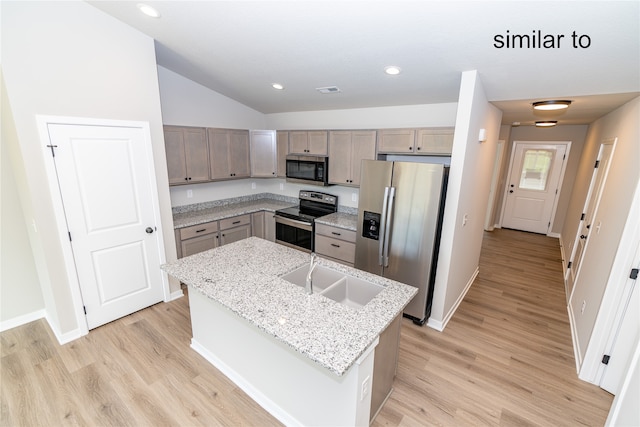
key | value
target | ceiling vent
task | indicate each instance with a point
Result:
(328, 89)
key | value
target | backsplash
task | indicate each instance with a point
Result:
(249, 198)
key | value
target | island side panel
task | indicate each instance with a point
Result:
(291, 387)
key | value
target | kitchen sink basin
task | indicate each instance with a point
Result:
(344, 289)
(352, 292)
(322, 277)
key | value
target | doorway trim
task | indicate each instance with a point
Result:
(43, 123)
(560, 181)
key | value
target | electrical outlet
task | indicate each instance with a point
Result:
(365, 388)
(253, 185)
(189, 194)
(584, 305)
(354, 197)
(465, 218)
(282, 186)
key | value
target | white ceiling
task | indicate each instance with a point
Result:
(239, 48)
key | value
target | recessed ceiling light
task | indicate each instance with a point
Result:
(392, 70)
(277, 86)
(551, 105)
(148, 10)
(546, 123)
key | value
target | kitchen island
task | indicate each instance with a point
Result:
(307, 359)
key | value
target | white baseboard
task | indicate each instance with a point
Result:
(574, 338)
(64, 338)
(260, 398)
(5, 325)
(554, 235)
(175, 295)
(439, 325)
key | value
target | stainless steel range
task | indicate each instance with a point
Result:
(295, 225)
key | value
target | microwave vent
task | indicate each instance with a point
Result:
(328, 89)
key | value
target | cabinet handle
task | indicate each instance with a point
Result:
(235, 222)
(418, 148)
(186, 178)
(336, 234)
(200, 231)
(335, 246)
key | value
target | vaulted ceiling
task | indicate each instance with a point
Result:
(584, 51)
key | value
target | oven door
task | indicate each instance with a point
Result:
(294, 233)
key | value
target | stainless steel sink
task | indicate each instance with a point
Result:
(339, 287)
(352, 292)
(322, 277)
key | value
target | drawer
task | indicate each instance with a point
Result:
(198, 230)
(335, 248)
(338, 233)
(235, 221)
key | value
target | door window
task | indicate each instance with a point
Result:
(536, 166)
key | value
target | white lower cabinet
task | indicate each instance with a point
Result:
(336, 243)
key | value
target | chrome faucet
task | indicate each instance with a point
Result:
(312, 265)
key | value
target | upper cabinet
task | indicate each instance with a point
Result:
(282, 141)
(187, 154)
(264, 163)
(434, 141)
(426, 141)
(228, 153)
(347, 149)
(308, 142)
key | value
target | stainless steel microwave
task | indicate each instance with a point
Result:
(308, 169)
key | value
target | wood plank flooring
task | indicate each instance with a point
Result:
(504, 359)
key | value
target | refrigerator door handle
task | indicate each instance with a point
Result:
(387, 226)
(385, 200)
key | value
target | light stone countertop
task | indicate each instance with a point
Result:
(200, 216)
(341, 220)
(245, 278)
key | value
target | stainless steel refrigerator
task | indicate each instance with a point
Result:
(399, 225)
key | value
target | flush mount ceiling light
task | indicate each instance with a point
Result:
(148, 10)
(277, 86)
(392, 70)
(546, 123)
(551, 105)
(328, 89)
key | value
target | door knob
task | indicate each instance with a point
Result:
(583, 236)
(510, 191)
(149, 230)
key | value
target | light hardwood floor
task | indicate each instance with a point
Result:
(505, 359)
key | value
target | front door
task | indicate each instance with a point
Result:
(106, 180)
(533, 185)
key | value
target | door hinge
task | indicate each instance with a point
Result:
(556, 191)
(70, 236)
(564, 156)
(582, 216)
(53, 154)
(597, 164)
(85, 309)
(634, 274)
(569, 265)
(605, 359)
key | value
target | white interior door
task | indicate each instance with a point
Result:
(598, 179)
(107, 183)
(533, 185)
